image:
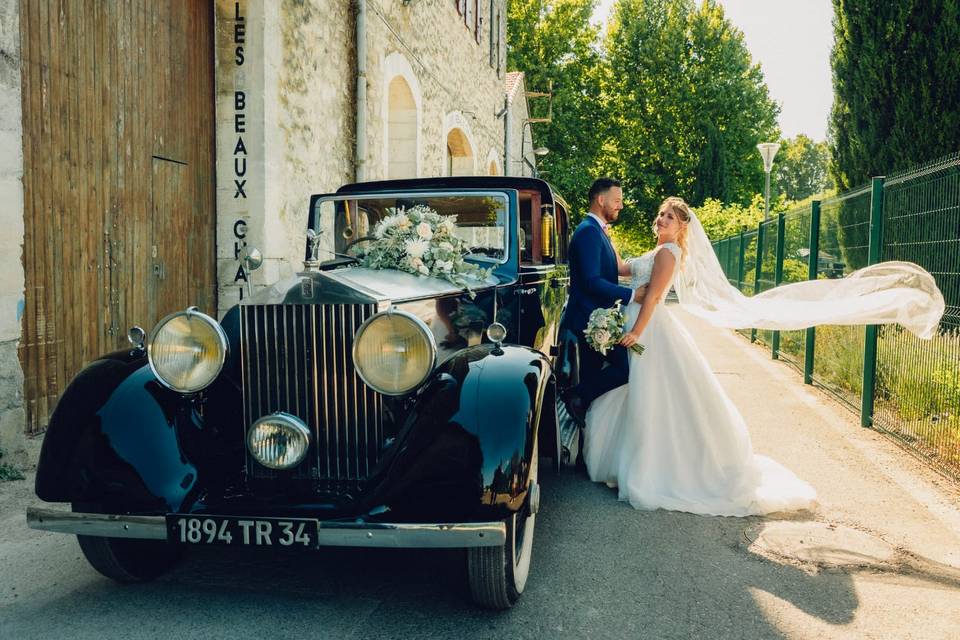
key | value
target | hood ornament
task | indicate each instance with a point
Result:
(312, 263)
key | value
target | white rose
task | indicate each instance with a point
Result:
(446, 246)
(424, 230)
(415, 262)
(448, 225)
(602, 336)
(416, 248)
(423, 269)
(403, 223)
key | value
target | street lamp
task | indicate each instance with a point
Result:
(767, 151)
(537, 151)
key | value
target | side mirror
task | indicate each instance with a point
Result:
(252, 259)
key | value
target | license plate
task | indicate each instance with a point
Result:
(248, 532)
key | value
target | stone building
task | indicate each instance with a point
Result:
(143, 145)
(343, 91)
(520, 158)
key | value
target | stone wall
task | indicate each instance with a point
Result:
(521, 135)
(299, 75)
(11, 240)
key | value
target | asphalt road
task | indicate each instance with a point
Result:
(600, 569)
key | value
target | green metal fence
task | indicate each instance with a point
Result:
(900, 385)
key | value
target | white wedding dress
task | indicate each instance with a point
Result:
(672, 439)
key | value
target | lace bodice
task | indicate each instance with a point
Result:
(641, 268)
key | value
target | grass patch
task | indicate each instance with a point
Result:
(7, 470)
(917, 396)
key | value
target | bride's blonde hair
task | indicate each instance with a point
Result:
(681, 209)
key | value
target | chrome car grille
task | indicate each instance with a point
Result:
(299, 359)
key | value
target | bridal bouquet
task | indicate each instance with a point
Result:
(605, 328)
(420, 241)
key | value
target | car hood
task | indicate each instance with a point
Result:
(360, 285)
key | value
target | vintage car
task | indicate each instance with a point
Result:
(343, 406)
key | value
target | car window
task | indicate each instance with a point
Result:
(345, 224)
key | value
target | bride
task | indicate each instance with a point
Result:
(671, 438)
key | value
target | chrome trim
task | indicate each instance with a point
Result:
(353, 396)
(218, 330)
(326, 389)
(303, 362)
(336, 397)
(97, 524)
(329, 534)
(437, 536)
(421, 325)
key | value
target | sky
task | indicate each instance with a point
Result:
(791, 39)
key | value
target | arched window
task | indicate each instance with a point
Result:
(459, 154)
(401, 131)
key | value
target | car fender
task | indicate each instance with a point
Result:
(464, 448)
(112, 440)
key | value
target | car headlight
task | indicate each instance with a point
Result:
(278, 441)
(187, 350)
(394, 352)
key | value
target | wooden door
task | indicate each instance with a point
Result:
(118, 136)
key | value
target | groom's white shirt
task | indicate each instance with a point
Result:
(601, 221)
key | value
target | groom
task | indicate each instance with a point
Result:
(594, 284)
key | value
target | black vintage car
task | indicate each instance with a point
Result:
(343, 406)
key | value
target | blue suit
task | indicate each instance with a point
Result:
(594, 284)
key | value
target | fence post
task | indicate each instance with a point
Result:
(778, 277)
(756, 272)
(813, 272)
(870, 337)
(743, 257)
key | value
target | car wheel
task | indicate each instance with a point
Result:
(498, 575)
(123, 559)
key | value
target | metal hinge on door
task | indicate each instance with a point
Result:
(158, 269)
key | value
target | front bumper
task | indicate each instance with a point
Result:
(329, 534)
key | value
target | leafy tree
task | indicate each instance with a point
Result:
(553, 40)
(722, 221)
(712, 180)
(896, 77)
(801, 168)
(686, 102)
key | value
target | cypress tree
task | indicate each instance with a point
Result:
(896, 74)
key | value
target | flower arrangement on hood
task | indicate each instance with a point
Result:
(420, 241)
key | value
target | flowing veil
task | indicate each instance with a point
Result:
(887, 292)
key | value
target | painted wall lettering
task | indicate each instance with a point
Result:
(239, 34)
(239, 149)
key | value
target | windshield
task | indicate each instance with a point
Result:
(346, 224)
